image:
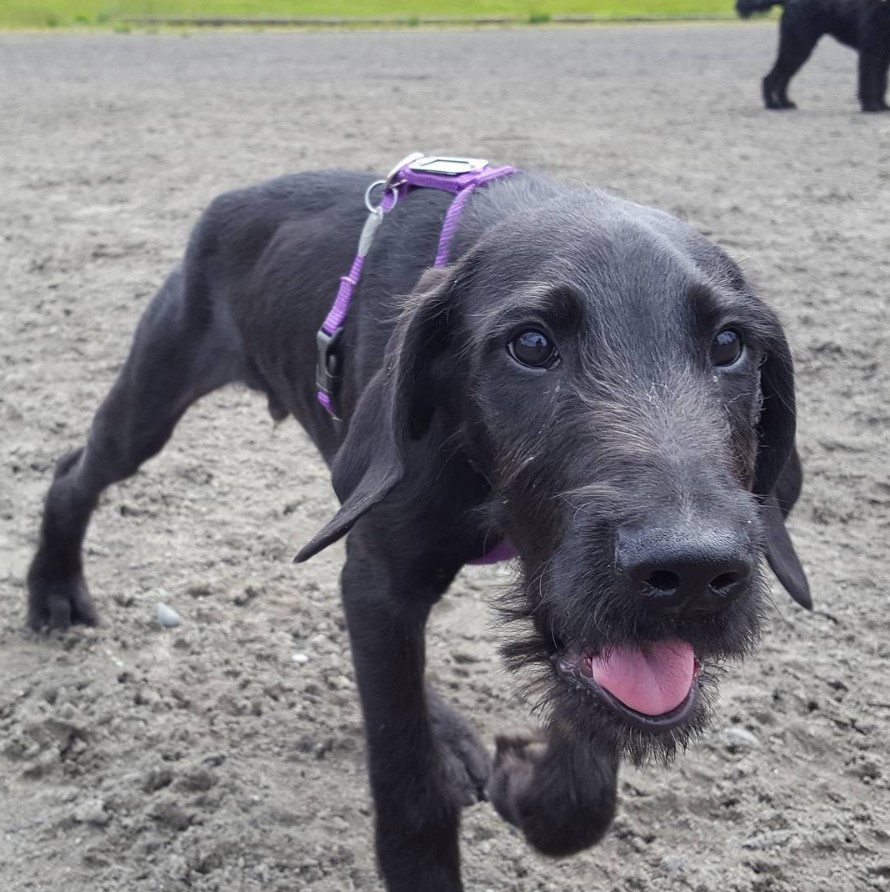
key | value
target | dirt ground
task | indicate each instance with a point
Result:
(206, 757)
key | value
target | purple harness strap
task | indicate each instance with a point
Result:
(460, 176)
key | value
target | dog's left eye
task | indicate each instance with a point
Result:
(533, 349)
(727, 348)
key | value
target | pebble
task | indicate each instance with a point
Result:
(195, 780)
(673, 864)
(735, 739)
(245, 597)
(300, 659)
(772, 839)
(178, 867)
(172, 815)
(156, 778)
(92, 812)
(167, 616)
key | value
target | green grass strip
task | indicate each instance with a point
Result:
(72, 13)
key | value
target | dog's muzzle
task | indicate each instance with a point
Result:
(672, 584)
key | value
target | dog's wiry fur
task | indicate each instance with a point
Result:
(863, 25)
(634, 439)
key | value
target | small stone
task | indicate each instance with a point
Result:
(339, 682)
(195, 780)
(178, 867)
(673, 864)
(300, 659)
(172, 815)
(96, 859)
(167, 616)
(92, 812)
(738, 739)
(772, 839)
(156, 778)
(464, 657)
(245, 597)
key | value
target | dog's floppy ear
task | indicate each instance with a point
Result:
(778, 417)
(778, 475)
(396, 406)
(781, 555)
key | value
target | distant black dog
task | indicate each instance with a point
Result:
(863, 25)
(587, 378)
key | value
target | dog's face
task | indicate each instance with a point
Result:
(626, 397)
(613, 402)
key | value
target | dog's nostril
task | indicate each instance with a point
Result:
(664, 580)
(724, 581)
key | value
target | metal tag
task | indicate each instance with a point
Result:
(448, 167)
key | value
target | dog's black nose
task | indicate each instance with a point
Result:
(684, 571)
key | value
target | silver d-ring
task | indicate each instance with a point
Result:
(371, 207)
(405, 162)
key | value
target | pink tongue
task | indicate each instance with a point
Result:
(652, 680)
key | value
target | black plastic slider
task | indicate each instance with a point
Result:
(328, 368)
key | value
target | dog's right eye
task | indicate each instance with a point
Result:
(534, 349)
(727, 348)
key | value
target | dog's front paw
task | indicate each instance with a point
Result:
(58, 603)
(558, 792)
(465, 761)
(516, 758)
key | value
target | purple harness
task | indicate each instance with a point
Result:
(460, 176)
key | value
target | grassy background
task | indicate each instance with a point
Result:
(67, 13)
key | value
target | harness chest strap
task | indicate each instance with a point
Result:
(460, 176)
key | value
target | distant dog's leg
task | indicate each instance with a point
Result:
(883, 71)
(873, 63)
(559, 791)
(424, 762)
(796, 41)
(176, 357)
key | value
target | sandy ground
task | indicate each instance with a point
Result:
(205, 757)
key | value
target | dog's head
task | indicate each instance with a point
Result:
(629, 403)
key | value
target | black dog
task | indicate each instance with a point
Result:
(863, 25)
(588, 378)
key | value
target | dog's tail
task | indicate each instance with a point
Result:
(747, 8)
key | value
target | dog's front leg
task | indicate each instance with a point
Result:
(416, 802)
(558, 790)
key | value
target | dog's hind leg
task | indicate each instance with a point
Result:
(182, 350)
(797, 40)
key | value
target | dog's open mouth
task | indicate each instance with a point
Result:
(653, 686)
